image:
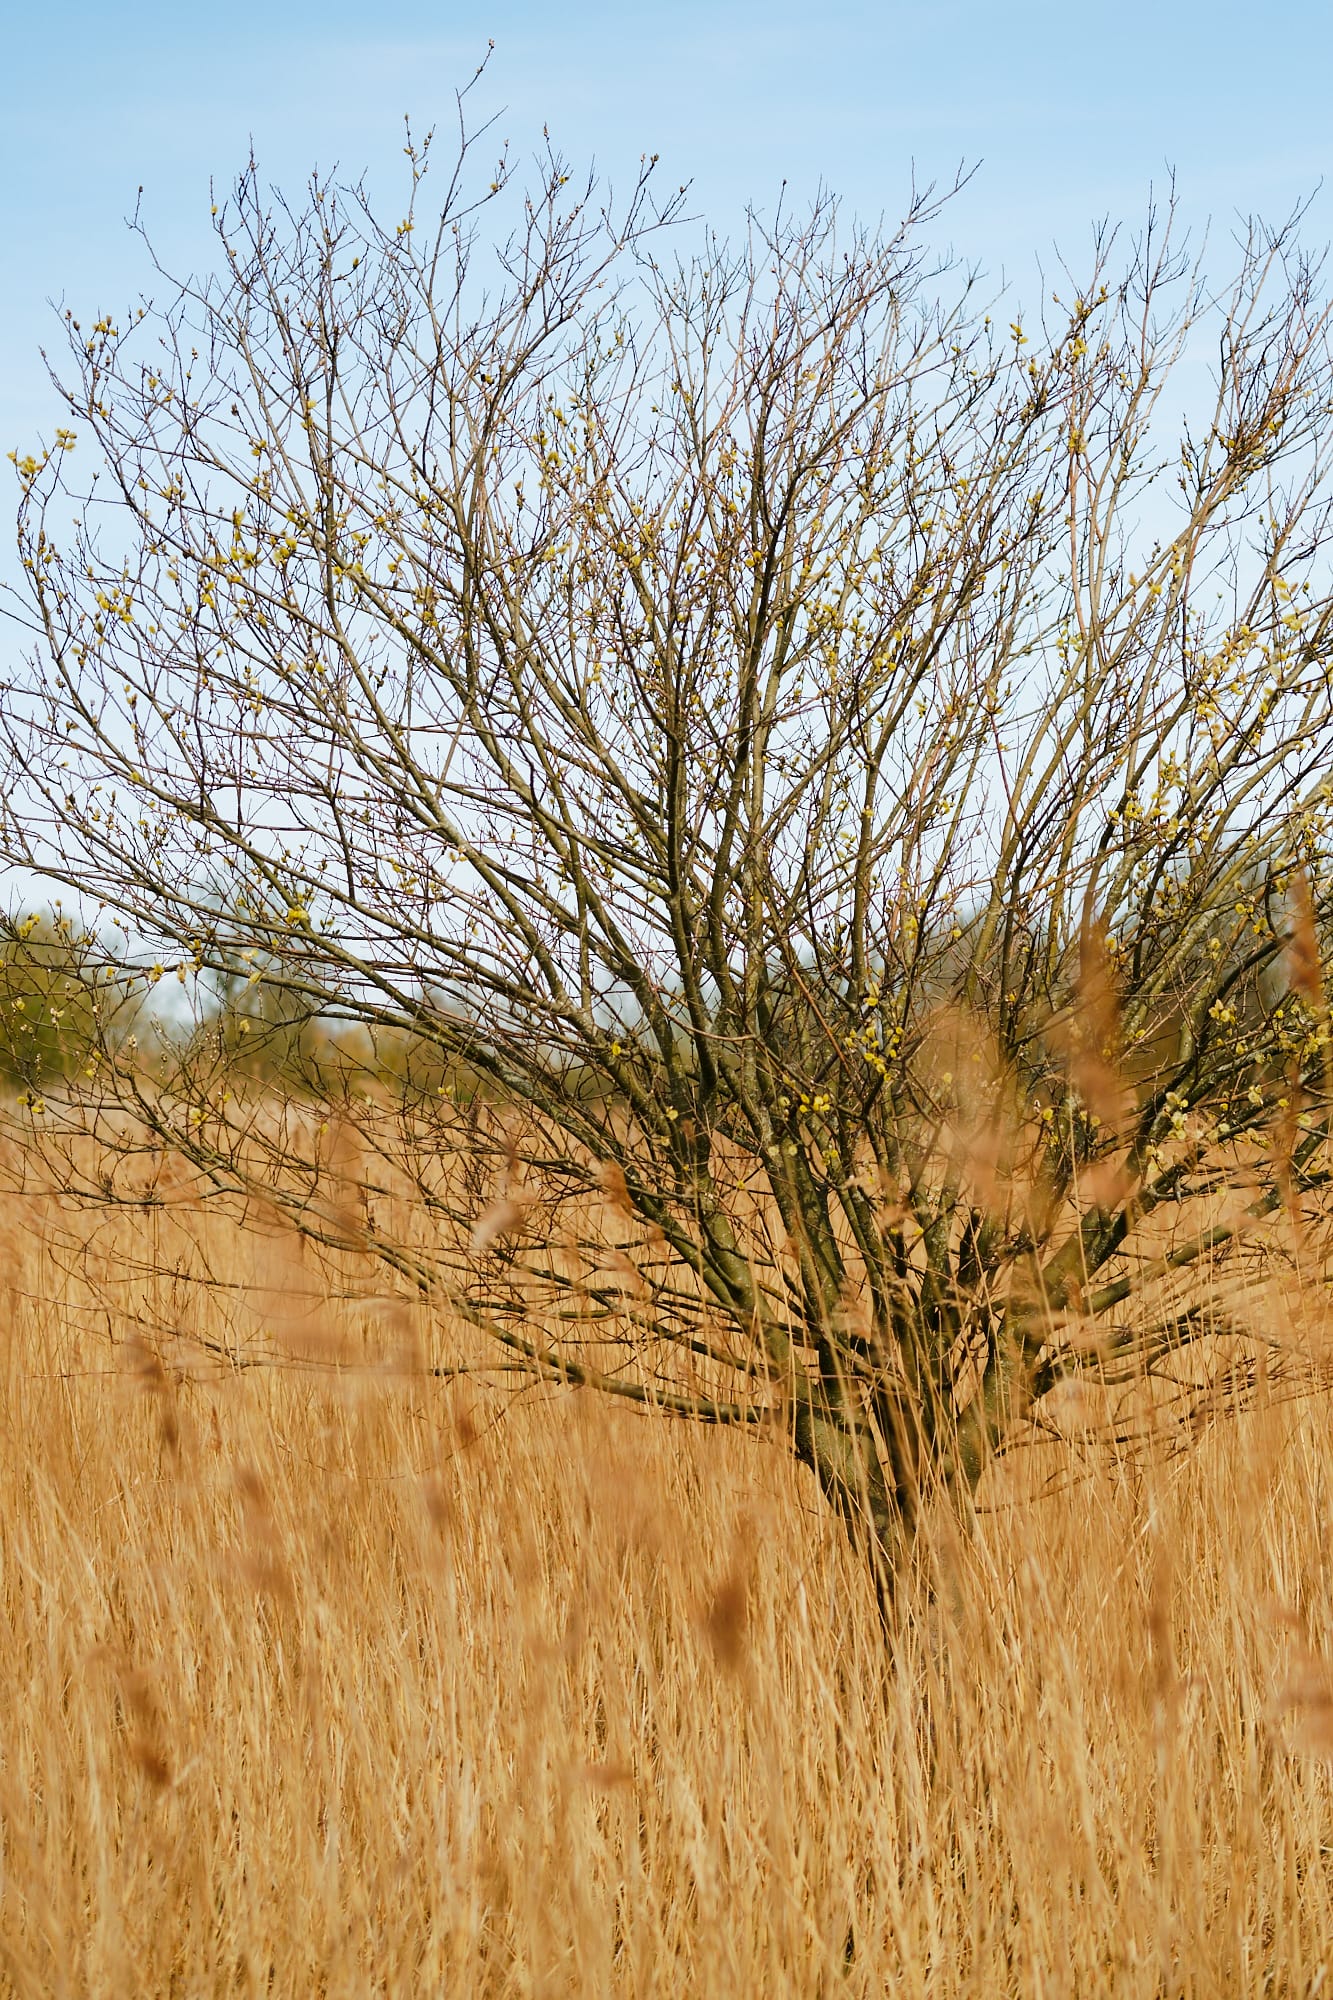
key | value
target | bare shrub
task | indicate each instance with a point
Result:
(836, 771)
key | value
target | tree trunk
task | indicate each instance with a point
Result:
(878, 1509)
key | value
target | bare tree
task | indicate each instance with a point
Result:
(837, 775)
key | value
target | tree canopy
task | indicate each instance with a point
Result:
(845, 773)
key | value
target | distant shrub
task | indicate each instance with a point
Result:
(54, 1018)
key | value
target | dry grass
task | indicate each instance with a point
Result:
(335, 1678)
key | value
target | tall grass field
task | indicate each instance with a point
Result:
(326, 1673)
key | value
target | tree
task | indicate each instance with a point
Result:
(844, 775)
(53, 1020)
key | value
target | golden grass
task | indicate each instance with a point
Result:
(333, 1678)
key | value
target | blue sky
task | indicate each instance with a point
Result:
(1068, 112)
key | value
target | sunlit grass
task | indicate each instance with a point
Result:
(336, 1677)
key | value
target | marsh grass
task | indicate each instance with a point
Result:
(332, 1676)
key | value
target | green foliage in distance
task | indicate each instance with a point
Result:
(52, 1014)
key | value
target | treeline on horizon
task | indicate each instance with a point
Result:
(66, 1010)
(72, 1007)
